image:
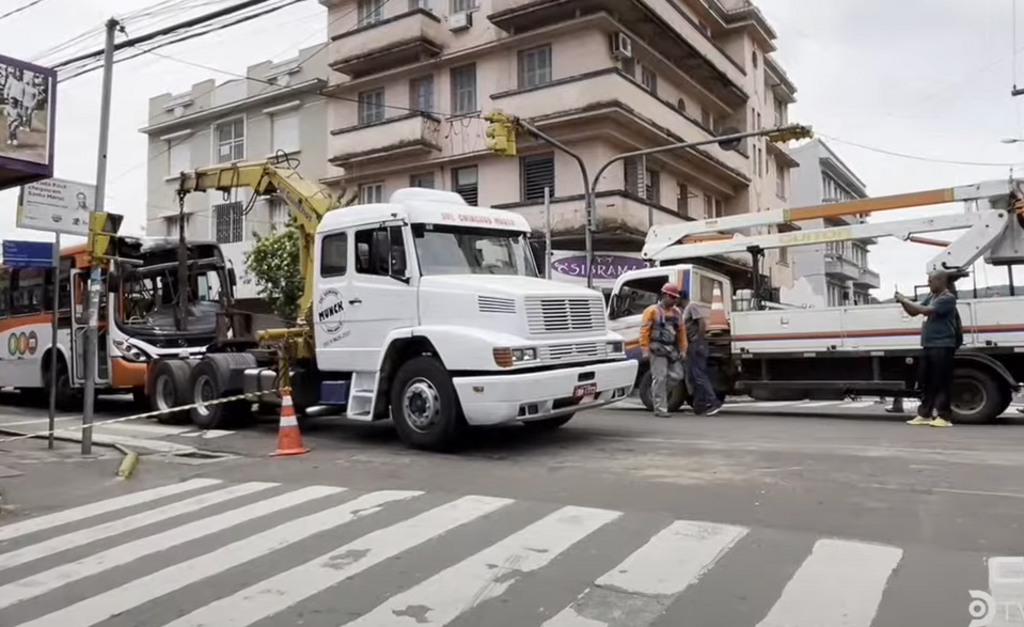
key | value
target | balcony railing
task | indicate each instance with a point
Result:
(868, 278)
(410, 135)
(843, 268)
(389, 43)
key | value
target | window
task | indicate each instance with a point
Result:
(713, 207)
(780, 181)
(629, 67)
(465, 183)
(230, 222)
(334, 255)
(637, 295)
(649, 79)
(779, 113)
(371, 11)
(419, 4)
(757, 159)
(534, 67)
(5, 293)
(28, 289)
(753, 119)
(445, 250)
(464, 89)
(371, 106)
(230, 141)
(784, 256)
(535, 174)
(278, 214)
(753, 58)
(371, 193)
(461, 6)
(284, 132)
(171, 225)
(681, 105)
(707, 119)
(638, 178)
(758, 115)
(424, 180)
(421, 94)
(652, 186)
(180, 156)
(381, 252)
(683, 200)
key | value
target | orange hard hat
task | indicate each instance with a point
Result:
(671, 289)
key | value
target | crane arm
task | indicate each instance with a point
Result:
(308, 201)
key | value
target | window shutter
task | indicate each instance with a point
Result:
(537, 173)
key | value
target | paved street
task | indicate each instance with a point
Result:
(619, 519)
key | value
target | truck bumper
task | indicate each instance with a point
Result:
(539, 395)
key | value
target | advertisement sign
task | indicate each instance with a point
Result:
(571, 266)
(26, 122)
(57, 206)
(21, 254)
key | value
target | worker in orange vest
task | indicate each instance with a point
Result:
(663, 340)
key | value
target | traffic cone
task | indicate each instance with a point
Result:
(717, 321)
(289, 438)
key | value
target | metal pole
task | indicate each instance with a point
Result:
(547, 233)
(95, 288)
(1013, 288)
(53, 340)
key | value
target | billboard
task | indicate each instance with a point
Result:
(57, 206)
(27, 111)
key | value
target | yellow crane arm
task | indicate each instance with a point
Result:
(308, 201)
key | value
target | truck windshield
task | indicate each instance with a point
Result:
(462, 250)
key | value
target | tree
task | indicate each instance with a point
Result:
(273, 264)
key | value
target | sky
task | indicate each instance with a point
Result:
(930, 79)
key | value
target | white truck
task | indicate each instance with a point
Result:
(424, 310)
(777, 352)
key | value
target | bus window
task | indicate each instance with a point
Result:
(5, 293)
(29, 285)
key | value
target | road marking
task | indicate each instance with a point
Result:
(100, 507)
(132, 427)
(288, 588)
(840, 585)
(857, 405)
(819, 404)
(109, 604)
(206, 435)
(85, 536)
(158, 446)
(489, 573)
(54, 578)
(637, 591)
(39, 421)
(765, 404)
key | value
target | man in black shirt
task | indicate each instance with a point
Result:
(941, 335)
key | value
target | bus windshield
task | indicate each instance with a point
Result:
(150, 296)
(466, 250)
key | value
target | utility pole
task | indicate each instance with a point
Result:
(95, 287)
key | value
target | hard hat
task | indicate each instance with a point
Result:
(671, 289)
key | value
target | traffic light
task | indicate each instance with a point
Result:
(501, 134)
(102, 228)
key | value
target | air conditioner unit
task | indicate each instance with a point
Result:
(460, 21)
(622, 46)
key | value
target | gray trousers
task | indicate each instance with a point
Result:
(665, 375)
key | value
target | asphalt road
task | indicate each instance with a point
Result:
(619, 519)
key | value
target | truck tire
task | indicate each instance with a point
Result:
(425, 407)
(678, 397)
(977, 396)
(548, 424)
(169, 387)
(210, 381)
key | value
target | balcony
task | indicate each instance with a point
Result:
(616, 216)
(868, 279)
(405, 136)
(389, 43)
(842, 268)
(608, 101)
(657, 22)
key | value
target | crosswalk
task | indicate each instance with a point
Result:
(206, 553)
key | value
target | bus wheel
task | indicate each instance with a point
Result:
(169, 388)
(68, 397)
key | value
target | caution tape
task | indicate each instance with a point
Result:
(149, 414)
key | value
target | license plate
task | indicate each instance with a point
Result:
(587, 389)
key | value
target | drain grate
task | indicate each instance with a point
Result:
(196, 457)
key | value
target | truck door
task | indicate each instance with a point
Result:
(357, 311)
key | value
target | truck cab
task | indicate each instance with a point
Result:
(433, 312)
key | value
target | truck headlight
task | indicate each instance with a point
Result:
(520, 355)
(616, 348)
(131, 353)
(508, 357)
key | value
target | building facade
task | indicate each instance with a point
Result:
(278, 110)
(836, 273)
(410, 79)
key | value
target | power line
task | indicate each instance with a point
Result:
(902, 155)
(20, 9)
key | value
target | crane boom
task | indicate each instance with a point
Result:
(308, 201)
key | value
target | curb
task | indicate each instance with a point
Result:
(128, 464)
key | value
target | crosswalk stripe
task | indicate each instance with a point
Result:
(110, 604)
(821, 403)
(857, 405)
(288, 588)
(672, 560)
(100, 507)
(54, 578)
(767, 404)
(840, 585)
(92, 534)
(131, 427)
(442, 598)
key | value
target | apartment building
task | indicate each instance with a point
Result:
(411, 78)
(278, 108)
(836, 273)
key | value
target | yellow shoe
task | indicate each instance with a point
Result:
(940, 422)
(919, 420)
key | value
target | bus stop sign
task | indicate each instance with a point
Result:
(22, 254)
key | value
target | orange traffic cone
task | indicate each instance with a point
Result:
(289, 438)
(717, 321)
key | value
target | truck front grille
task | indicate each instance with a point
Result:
(493, 304)
(573, 352)
(547, 316)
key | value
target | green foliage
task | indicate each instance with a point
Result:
(273, 264)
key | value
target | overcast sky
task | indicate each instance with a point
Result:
(927, 78)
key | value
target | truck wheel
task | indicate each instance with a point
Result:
(548, 424)
(425, 407)
(209, 382)
(976, 397)
(169, 388)
(678, 397)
